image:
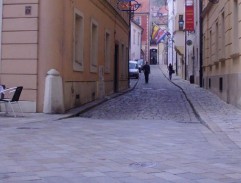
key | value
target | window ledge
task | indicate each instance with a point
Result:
(222, 59)
(216, 61)
(234, 55)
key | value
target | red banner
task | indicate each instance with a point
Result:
(189, 18)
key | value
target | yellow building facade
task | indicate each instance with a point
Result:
(84, 41)
(222, 50)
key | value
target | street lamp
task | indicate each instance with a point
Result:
(181, 22)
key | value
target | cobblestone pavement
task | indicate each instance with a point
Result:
(156, 138)
(159, 99)
(222, 118)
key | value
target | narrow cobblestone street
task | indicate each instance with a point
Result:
(159, 99)
(70, 113)
(160, 132)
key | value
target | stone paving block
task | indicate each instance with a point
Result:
(208, 180)
(169, 176)
(116, 145)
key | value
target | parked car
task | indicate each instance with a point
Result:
(133, 69)
(140, 63)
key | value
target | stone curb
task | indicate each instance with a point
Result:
(197, 109)
(202, 115)
(77, 111)
(39, 117)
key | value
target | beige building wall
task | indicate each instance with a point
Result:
(135, 47)
(19, 57)
(221, 50)
(179, 37)
(40, 35)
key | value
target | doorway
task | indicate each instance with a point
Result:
(153, 56)
(116, 68)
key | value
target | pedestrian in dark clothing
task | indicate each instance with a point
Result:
(171, 71)
(147, 70)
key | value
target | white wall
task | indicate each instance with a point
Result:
(135, 48)
(171, 20)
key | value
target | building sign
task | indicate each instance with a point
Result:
(189, 17)
(189, 42)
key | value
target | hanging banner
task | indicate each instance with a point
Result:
(189, 18)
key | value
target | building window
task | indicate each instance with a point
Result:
(220, 84)
(210, 47)
(78, 61)
(134, 36)
(223, 35)
(180, 23)
(123, 61)
(107, 52)
(217, 41)
(235, 27)
(139, 39)
(126, 63)
(138, 20)
(94, 47)
(204, 49)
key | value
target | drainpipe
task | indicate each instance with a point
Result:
(176, 65)
(129, 43)
(185, 59)
(201, 45)
(1, 19)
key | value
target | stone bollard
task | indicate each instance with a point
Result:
(53, 95)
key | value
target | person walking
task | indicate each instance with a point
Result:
(171, 71)
(147, 70)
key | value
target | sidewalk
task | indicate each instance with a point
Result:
(38, 117)
(218, 116)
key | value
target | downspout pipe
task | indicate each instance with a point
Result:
(201, 45)
(129, 37)
(185, 59)
(1, 24)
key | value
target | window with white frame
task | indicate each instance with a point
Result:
(223, 36)
(134, 36)
(126, 63)
(139, 38)
(210, 47)
(138, 20)
(217, 40)
(235, 27)
(107, 52)
(94, 47)
(204, 47)
(123, 61)
(78, 55)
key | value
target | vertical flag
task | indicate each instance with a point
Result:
(189, 16)
(161, 34)
(155, 30)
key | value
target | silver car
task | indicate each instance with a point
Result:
(140, 63)
(133, 69)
